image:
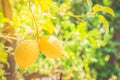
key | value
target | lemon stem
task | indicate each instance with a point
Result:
(34, 22)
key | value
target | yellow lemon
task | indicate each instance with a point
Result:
(26, 53)
(50, 46)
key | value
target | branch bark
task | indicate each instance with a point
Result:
(8, 30)
(34, 75)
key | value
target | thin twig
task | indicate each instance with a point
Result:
(80, 16)
(34, 19)
(8, 37)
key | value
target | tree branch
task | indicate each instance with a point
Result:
(34, 76)
(8, 29)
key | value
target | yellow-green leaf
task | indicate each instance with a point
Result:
(45, 4)
(82, 28)
(106, 27)
(108, 10)
(5, 20)
(48, 26)
(98, 8)
(10, 1)
(3, 56)
(104, 21)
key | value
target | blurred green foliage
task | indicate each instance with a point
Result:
(86, 52)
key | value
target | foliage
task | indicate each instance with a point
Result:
(81, 25)
(3, 59)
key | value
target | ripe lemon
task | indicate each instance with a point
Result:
(50, 46)
(26, 53)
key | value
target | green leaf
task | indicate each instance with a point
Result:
(89, 2)
(98, 8)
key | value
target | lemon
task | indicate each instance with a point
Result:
(26, 53)
(50, 46)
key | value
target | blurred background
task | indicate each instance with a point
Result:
(91, 52)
